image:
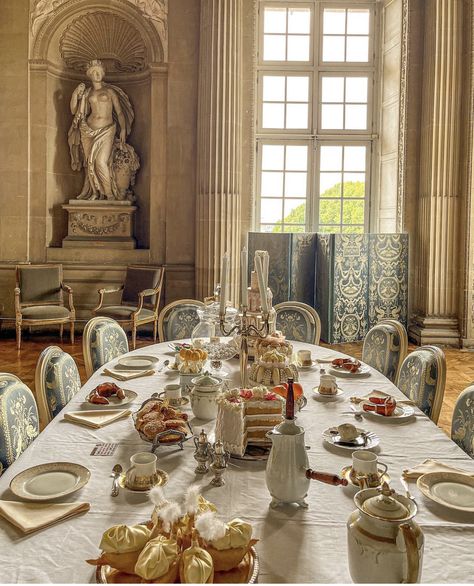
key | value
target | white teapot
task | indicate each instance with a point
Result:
(385, 545)
(204, 394)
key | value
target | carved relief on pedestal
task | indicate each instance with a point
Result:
(87, 224)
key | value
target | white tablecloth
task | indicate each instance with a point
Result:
(295, 545)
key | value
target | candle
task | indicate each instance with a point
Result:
(266, 259)
(224, 277)
(244, 271)
(261, 284)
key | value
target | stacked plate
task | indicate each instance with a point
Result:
(136, 363)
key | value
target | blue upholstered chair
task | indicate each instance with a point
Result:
(385, 347)
(422, 379)
(57, 380)
(462, 428)
(298, 322)
(178, 319)
(102, 341)
(18, 418)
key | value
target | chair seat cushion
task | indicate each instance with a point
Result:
(45, 312)
(119, 312)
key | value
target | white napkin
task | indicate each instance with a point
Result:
(29, 517)
(97, 418)
(381, 395)
(430, 466)
(122, 376)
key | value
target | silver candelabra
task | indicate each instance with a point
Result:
(245, 329)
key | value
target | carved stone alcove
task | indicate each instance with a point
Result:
(130, 38)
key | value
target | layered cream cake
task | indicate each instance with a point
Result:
(244, 417)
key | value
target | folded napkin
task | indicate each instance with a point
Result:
(125, 377)
(381, 395)
(30, 517)
(430, 466)
(97, 418)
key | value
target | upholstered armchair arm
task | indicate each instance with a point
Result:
(17, 301)
(70, 300)
(143, 294)
(104, 292)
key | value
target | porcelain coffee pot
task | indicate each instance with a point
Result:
(385, 545)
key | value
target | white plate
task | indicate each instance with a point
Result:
(114, 401)
(318, 396)
(372, 440)
(49, 481)
(138, 362)
(401, 413)
(363, 371)
(451, 489)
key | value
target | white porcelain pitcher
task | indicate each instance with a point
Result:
(385, 545)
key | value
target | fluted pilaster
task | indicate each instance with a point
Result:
(219, 143)
(436, 290)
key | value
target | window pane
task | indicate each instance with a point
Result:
(297, 158)
(353, 211)
(297, 116)
(334, 21)
(354, 158)
(273, 156)
(299, 20)
(274, 47)
(270, 228)
(298, 48)
(357, 49)
(294, 229)
(272, 184)
(295, 184)
(333, 49)
(329, 229)
(356, 117)
(273, 115)
(333, 89)
(297, 89)
(332, 116)
(274, 20)
(273, 88)
(330, 184)
(358, 22)
(295, 211)
(354, 185)
(331, 158)
(356, 89)
(330, 211)
(270, 210)
(353, 229)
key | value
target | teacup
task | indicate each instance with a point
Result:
(304, 358)
(365, 469)
(327, 384)
(173, 394)
(142, 473)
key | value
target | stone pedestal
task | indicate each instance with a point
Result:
(99, 223)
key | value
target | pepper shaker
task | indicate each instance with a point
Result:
(202, 453)
(220, 459)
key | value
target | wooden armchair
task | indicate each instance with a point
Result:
(39, 299)
(141, 295)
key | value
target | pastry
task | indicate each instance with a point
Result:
(196, 565)
(157, 417)
(101, 393)
(158, 561)
(191, 360)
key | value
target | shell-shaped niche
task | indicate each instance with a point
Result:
(105, 36)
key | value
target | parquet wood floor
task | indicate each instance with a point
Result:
(460, 364)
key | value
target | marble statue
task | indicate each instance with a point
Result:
(103, 116)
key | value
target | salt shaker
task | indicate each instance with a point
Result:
(202, 454)
(220, 459)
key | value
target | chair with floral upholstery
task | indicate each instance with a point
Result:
(422, 379)
(178, 319)
(103, 340)
(19, 424)
(39, 299)
(385, 347)
(57, 380)
(298, 321)
(462, 427)
(141, 283)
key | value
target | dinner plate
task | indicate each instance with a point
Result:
(138, 362)
(319, 397)
(401, 413)
(49, 481)
(363, 371)
(114, 401)
(372, 439)
(451, 489)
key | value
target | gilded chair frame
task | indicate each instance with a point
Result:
(134, 321)
(402, 334)
(169, 308)
(304, 307)
(86, 341)
(40, 378)
(19, 305)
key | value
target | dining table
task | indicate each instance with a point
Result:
(294, 544)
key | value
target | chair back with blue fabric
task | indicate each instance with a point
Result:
(178, 319)
(57, 380)
(462, 427)
(102, 341)
(19, 424)
(298, 321)
(422, 379)
(385, 347)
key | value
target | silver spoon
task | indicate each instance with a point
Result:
(357, 414)
(116, 472)
(165, 363)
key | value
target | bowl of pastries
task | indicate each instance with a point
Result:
(158, 422)
(183, 543)
(191, 360)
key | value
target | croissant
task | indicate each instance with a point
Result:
(123, 562)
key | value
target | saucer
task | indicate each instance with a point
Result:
(182, 400)
(346, 473)
(161, 478)
(332, 437)
(320, 397)
(300, 366)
